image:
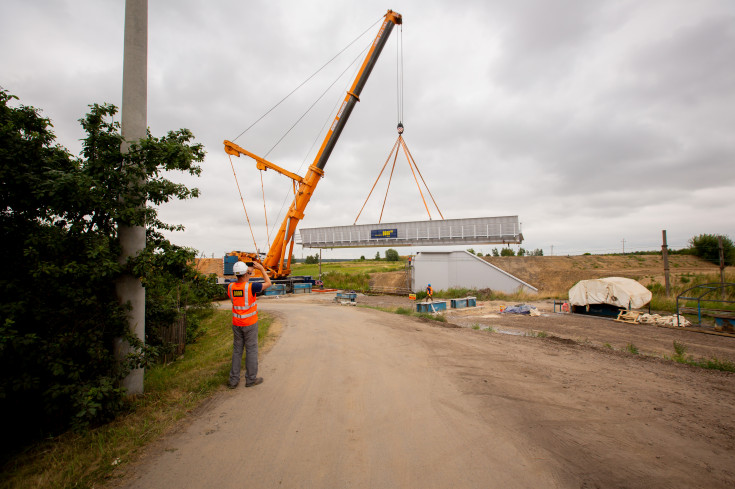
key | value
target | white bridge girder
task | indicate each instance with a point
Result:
(476, 230)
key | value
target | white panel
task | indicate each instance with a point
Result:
(460, 269)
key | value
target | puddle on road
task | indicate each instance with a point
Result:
(510, 332)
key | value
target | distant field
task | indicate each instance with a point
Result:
(348, 267)
(557, 274)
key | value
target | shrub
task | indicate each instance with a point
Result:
(60, 314)
(392, 255)
(706, 246)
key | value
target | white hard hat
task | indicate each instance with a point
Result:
(240, 268)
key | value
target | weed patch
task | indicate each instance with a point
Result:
(172, 390)
(680, 356)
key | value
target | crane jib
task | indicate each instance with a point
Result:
(347, 106)
(275, 261)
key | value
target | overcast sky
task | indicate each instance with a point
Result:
(598, 123)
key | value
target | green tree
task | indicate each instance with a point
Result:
(312, 260)
(507, 252)
(538, 252)
(377, 255)
(521, 252)
(707, 246)
(58, 225)
(471, 250)
(495, 252)
(392, 255)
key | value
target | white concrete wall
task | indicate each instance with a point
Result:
(460, 269)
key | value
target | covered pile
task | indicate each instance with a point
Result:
(615, 291)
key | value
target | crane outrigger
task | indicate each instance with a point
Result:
(277, 261)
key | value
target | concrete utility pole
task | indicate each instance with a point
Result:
(665, 254)
(134, 117)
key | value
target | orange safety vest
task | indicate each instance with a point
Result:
(244, 307)
(430, 290)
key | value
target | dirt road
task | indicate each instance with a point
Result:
(356, 397)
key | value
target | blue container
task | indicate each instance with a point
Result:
(472, 302)
(458, 303)
(229, 262)
(302, 288)
(345, 296)
(435, 306)
(276, 289)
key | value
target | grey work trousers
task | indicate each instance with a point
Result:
(246, 336)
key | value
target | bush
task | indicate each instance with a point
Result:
(60, 315)
(706, 246)
(392, 255)
(507, 252)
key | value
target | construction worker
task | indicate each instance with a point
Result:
(245, 322)
(430, 293)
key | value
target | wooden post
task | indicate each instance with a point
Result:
(722, 267)
(665, 254)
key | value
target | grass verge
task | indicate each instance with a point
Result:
(680, 356)
(408, 312)
(87, 459)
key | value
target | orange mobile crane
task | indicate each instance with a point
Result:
(278, 260)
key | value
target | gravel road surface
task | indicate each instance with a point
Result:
(355, 397)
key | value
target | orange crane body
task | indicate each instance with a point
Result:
(278, 259)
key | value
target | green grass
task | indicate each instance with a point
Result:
(408, 312)
(348, 267)
(172, 390)
(348, 275)
(428, 315)
(680, 356)
(632, 349)
(660, 302)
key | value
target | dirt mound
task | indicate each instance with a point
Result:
(552, 274)
(557, 274)
(210, 265)
(389, 281)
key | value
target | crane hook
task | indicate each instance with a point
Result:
(400, 128)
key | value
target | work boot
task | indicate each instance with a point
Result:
(257, 381)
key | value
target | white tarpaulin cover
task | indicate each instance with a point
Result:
(616, 291)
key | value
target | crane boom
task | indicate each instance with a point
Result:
(277, 262)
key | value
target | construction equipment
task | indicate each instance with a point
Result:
(277, 261)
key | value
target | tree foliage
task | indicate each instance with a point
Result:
(707, 246)
(392, 255)
(507, 252)
(59, 216)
